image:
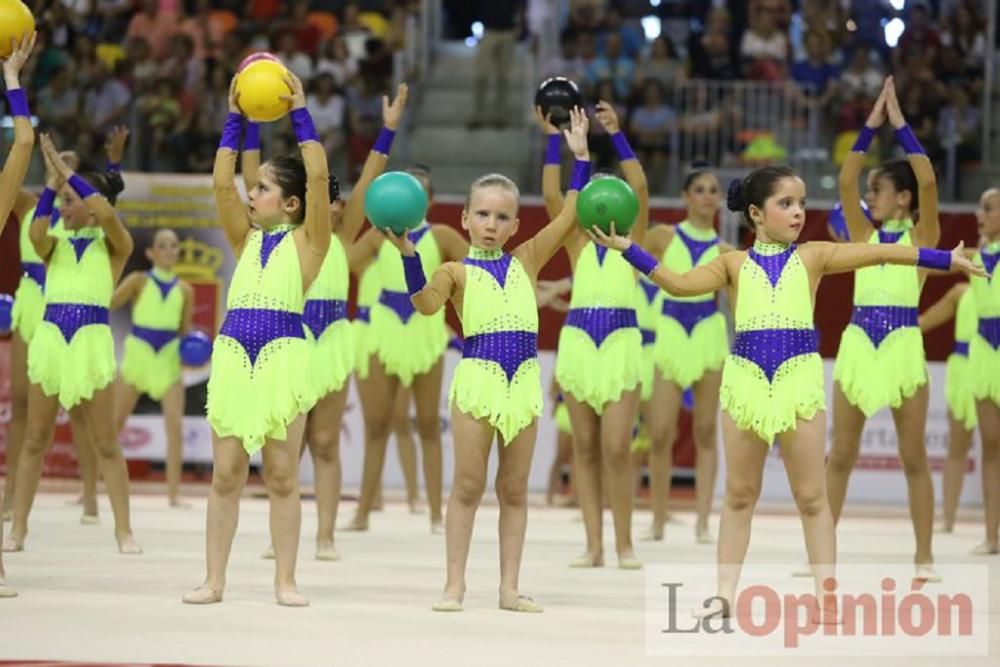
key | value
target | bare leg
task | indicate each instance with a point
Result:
(173, 418)
(848, 423)
(803, 451)
(745, 455)
(18, 420)
(42, 412)
(378, 420)
(99, 415)
(959, 441)
(587, 474)
(5, 590)
(281, 475)
(616, 438)
(86, 457)
(125, 397)
(473, 438)
(427, 397)
(989, 430)
(911, 427)
(230, 467)
(406, 448)
(512, 492)
(706, 414)
(662, 425)
(323, 436)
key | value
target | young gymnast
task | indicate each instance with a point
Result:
(984, 362)
(957, 304)
(14, 169)
(497, 387)
(329, 332)
(162, 308)
(408, 352)
(258, 392)
(691, 345)
(881, 361)
(29, 308)
(71, 359)
(598, 365)
(772, 381)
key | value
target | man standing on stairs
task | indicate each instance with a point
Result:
(501, 20)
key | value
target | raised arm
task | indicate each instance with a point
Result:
(316, 222)
(632, 169)
(19, 157)
(928, 232)
(127, 289)
(114, 147)
(859, 228)
(536, 252)
(250, 157)
(230, 208)
(944, 309)
(378, 157)
(362, 253)
(552, 169)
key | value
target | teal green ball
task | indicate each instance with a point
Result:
(605, 200)
(396, 200)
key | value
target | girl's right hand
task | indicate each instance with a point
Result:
(19, 54)
(402, 242)
(612, 240)
(892, 105)
(545, 121)
(877, 117)
(576, 135)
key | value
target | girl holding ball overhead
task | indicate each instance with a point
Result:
(772, 381)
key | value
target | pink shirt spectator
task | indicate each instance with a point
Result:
(156, 29)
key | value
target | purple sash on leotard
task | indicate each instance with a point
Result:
(880, 321)
(319, 314)
(35, 271)
(157, 338)
(689, 313)
(253, 328)
(768, 349)
(71, 317)
(399, 303)
(989, 329)
(599, 323)
(509, 349)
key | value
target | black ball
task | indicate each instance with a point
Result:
(557, 96)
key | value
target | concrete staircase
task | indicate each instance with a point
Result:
(437, 133)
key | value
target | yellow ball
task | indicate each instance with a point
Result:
(260, 87)
(15, 22)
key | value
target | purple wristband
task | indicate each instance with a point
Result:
(929, 258)
(864, 140)
(383, 144)
(552, 150)
(251, 137)
(114, 167)
(908, 141)
(414, 272)
(18, 103)
(46, 202)
(640, 259)
(81, 187)
(620, 142)
(231, 132)
(581, 175)
(302, 122)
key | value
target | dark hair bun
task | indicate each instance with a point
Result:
(734, 196)
(115, 182)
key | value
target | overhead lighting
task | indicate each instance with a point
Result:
(652, 26)
(898, 5)
(655, 3)
(893, 31)
(477, 30)
(851, 25)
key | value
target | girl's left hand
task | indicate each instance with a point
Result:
(298, 97)
(53, 158)
(393, 113)
(613, 240)
(892, 105)
(962, 263)
(115, 146)
(402, 242)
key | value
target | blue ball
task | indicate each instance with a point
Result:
(6, 311)
(396, 200)
(196, 349)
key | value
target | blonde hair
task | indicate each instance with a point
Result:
(493, 181)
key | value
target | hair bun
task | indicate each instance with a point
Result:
(734, 196)
(115, 182)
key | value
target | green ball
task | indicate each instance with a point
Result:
(604, 200)
(396, 200)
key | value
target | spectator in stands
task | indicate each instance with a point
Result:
(650, 126)
(60, 25)
(58, 106)
(307, 36)
(494, 55)
(84, 58)
(293, 57)
(143, 68)
(353, 32)
(613, 64)
(205, 29)
(180, 64)
(586, 15)
(154, 26)
(958, 126)
(106, 103)
(47, 60)
(861, 78)
(966, 35)
(337, 61)
(327, 108)
(632, 38)
(661, 65)
(764, 47)
(567, 62)
(815, 77)
(715, 60)
(921, 35)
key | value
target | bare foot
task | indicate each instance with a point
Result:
(804, 570)
(89, 519)
(628, 561)
(437, 526)
(652, 535)
(127, 545)
(204, 594)
(986, 549)
(416, 507)
(289, 596)
(268, 553)
(12, 543)
(326, 551)
(177, 503)
(926, 572)
(703, 536)
(715, 608)
(588, 560)
(520, 603)
(6, 591)
(356, 525)
(447, 603)
(945, 528)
